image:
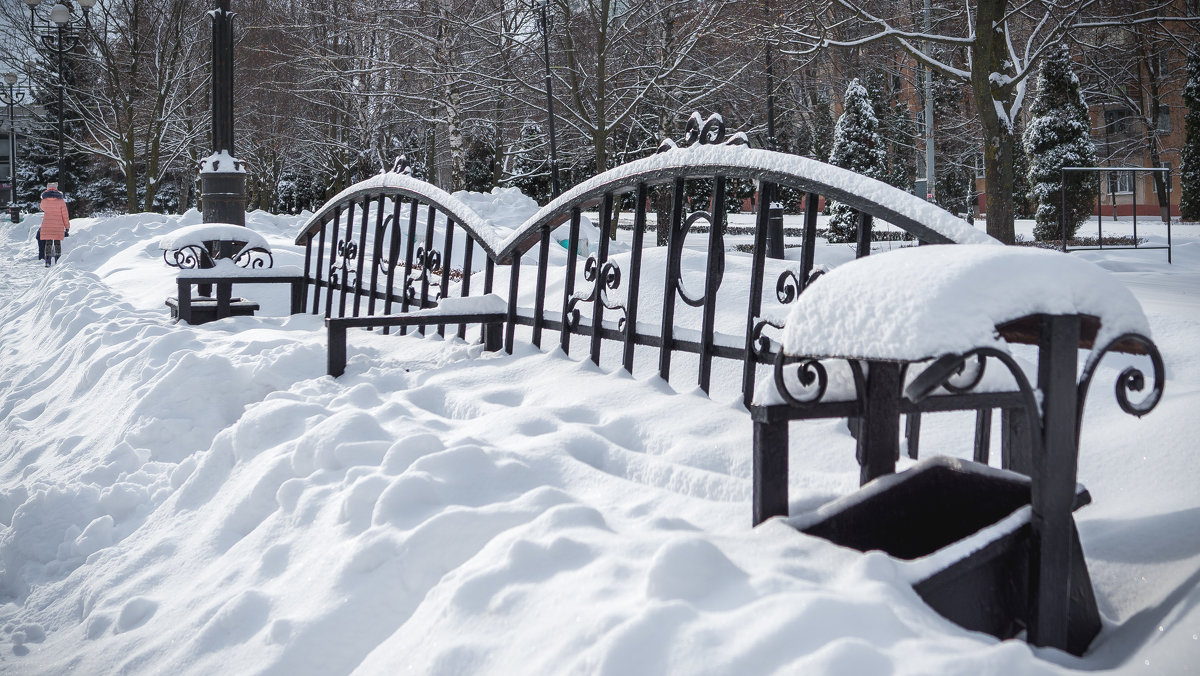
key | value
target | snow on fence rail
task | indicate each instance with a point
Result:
(394, 244)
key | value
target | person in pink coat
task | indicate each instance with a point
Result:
(56, 222)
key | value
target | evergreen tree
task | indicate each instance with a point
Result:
(1057, 137)
(822, 130)
(1023, 204)
(480, 166)
(857, 147)
(1189, 172)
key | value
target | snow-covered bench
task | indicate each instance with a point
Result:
(222, 255)
(911, 331)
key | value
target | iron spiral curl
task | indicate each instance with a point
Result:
(430, 261)
(604, 278)
(810, 373)
(254, 259)
(1131, 378)
(187, 257)
(700, 131)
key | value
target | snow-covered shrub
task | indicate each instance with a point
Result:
(1059, 136)
(1189, 205)
(857, 147)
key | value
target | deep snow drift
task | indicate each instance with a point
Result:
(179, 499)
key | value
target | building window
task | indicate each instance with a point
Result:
(1164, 119)
(1116, 121)
(1120, 182)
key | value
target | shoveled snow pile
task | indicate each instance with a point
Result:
(199, 500)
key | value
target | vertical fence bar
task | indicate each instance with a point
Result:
(347, 243)
(712, 282)
(1169, 261)
(465, 287)
(539, 298)
(316, 304)
(863, 247)
(766, 193)
(569, 280)
(376, 255)
(1100, 215)
(447, 265)
(671, 283)
(635, 276)
(601, 258)
(1134, 181)
(307, 270)
(362, 252)
(510, 325)
(430, 221)
(811, 201)
(393, 258)
(408, 257)
(333, 247)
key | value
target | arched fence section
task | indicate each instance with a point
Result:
(394, 244)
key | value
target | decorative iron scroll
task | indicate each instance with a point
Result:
(429, 262)
(381, 259)
(204, 256)
(401, 166)
(1131, 379)
(604, 279)
(789, 287)
(188, 257)
(340, 269)
(717, 266)
(710, 132)
(811, 375)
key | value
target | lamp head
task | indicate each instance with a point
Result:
(60, 15)
(86, 4)
(10, 79)
(33, 3)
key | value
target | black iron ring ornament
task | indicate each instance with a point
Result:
(604, 278)
(789, 286)
(700, 131)
(1131, 379)
(717, 266)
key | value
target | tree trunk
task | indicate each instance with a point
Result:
(991, 100)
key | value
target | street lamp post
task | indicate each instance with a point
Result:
(774, 211)
(60, 37)
(10, 96)
(544, 24)
(222, 176)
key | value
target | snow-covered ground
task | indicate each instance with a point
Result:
(179, 499)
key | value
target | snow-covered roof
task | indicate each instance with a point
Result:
(916, 303)
(197, 235)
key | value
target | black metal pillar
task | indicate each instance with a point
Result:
(775, 221)
(770, 470)
(1053, 493)
(545, 20)
(223, 189)
(879, 430)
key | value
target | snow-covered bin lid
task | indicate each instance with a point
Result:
(917, 303)
(222, 163)
(200, 235)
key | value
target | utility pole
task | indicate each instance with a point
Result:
(930, 175)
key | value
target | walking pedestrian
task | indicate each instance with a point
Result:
(56, 222)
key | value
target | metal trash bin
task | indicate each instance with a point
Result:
(930, 510)
(14, 213)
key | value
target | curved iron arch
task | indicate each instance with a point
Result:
(924, 220)
(403, 186)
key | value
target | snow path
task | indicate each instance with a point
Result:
(203, 500)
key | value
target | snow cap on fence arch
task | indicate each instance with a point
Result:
(906, 211)
(483, 230)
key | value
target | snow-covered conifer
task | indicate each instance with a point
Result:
(1189, 205)
(1057, 137)
(857, 147)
